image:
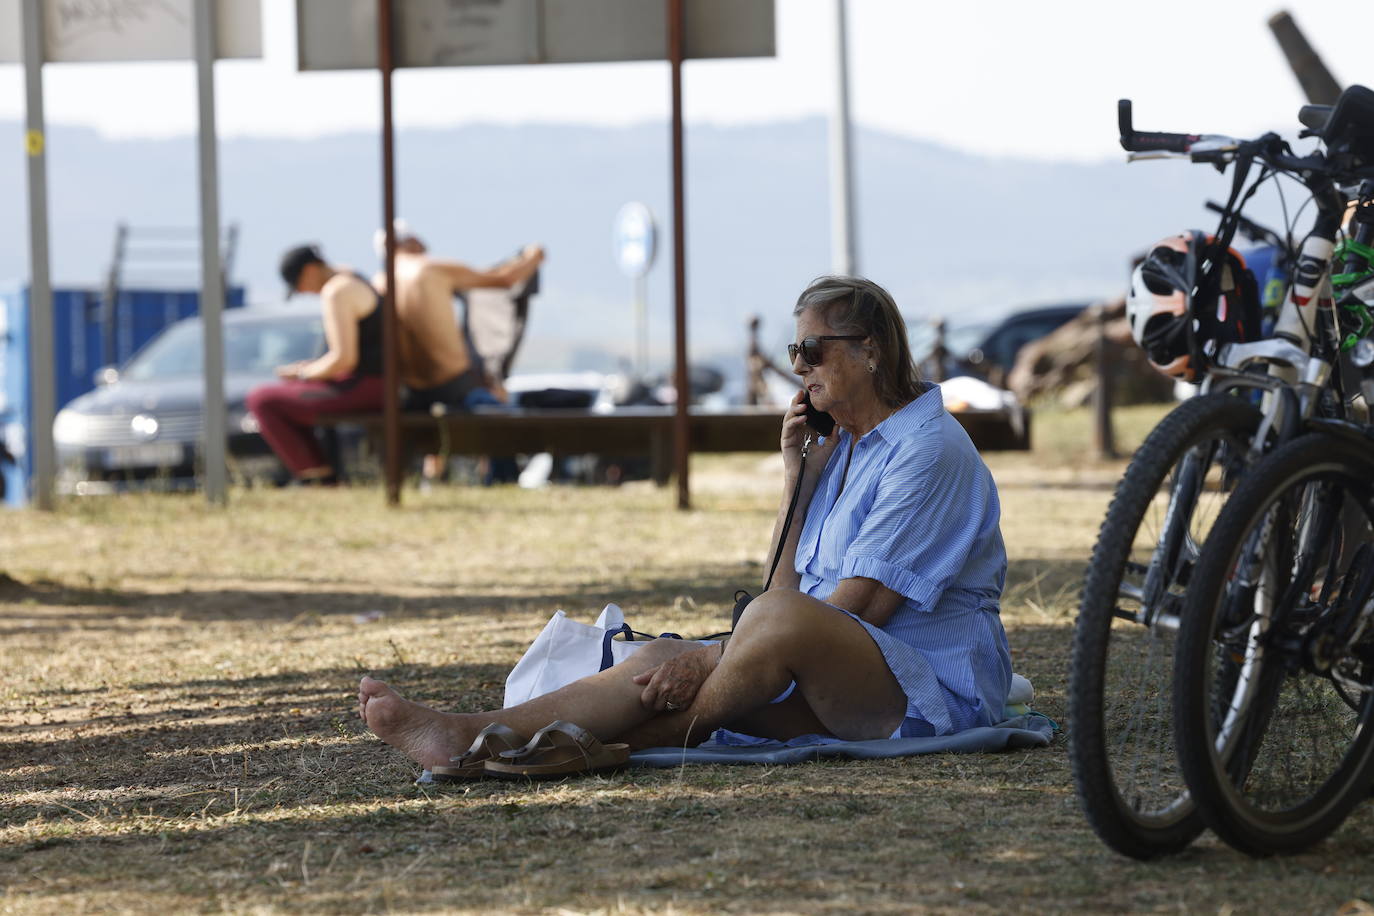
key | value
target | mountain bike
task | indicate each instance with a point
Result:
(1274, 668)
(1254, 395)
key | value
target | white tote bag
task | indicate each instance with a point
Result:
(565, 651)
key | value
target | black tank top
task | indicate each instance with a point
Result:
(369, 339)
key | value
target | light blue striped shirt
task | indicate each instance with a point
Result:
(917, 510)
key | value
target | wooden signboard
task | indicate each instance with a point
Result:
(342, 34)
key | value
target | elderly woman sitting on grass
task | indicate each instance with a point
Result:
(882, 621)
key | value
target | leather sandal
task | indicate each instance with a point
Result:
(558, 749)
(489, 742)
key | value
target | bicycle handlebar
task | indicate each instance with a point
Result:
(1138, 141)
(1314, 170)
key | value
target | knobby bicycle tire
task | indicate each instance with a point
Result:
(1112, 790)
(1276, 711)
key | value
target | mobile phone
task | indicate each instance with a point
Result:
(818, 420)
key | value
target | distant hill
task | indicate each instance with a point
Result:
(948, 232)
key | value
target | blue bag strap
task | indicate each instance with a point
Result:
(607, 660)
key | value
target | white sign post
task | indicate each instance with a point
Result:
(636, 239)
(62, 31)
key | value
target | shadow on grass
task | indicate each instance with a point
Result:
(708, 584)
(267, 727)
(277, 794)
(515, 846)
(270, 717)
(691, 833)
(850, 846)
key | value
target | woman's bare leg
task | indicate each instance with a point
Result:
(843, 681)
(606, 704)
(844, 686)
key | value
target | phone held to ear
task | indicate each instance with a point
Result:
(818, 420)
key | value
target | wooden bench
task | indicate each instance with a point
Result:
(633, 431)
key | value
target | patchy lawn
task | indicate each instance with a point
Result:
(177, 729)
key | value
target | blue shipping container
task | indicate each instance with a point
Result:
(80, 348)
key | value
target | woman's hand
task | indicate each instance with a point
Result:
(674, 684)
(794, 433)
(291, 370)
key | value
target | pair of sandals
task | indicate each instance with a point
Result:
(556, 750)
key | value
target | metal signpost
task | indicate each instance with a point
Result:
(636, 242)
(391, 405)
(342, 35)
(842, 240)
(213, 432)
(682, 446)
(42, 383)
(127, 30)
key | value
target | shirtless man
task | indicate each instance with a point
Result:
(435, 363)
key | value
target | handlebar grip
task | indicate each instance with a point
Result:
(1137, 141)
(1146, 141)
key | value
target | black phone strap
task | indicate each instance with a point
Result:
(787, 519)
(742, 597)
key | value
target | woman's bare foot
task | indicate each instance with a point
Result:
(427, 736)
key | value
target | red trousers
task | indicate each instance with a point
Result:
(287, 411)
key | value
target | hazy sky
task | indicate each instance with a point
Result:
(996, 76)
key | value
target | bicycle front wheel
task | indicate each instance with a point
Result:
(1274, 675)
(1120, 731)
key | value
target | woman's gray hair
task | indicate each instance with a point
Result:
(853, 305)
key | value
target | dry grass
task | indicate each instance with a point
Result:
(178, 731)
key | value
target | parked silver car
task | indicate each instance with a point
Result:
(143, 422)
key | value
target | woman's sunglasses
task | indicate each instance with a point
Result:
(810, 347)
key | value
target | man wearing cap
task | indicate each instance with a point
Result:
(434, 360)
(347, 377)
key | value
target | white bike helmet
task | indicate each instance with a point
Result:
(1178, 333)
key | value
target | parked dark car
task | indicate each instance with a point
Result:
(989, 350)
(144, 420)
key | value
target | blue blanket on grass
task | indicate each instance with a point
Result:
(1024, 731)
